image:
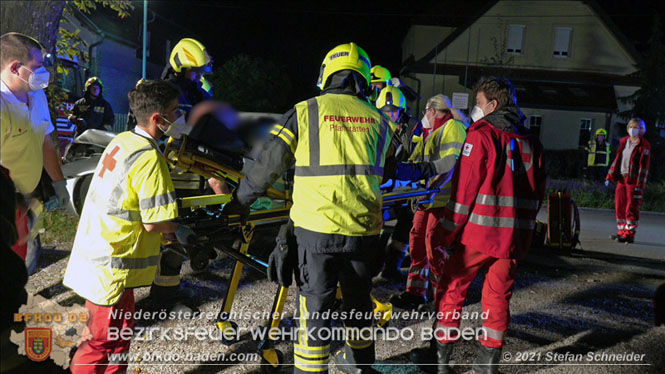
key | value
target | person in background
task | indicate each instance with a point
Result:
(392, 102)
(130, 203)
(497, 190)
(188, 61)
(443, 136)
(380, 79)
(92, 111)
(25, 143)
(630, 170)
(599, 155)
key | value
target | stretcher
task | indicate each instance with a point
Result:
(213, 227)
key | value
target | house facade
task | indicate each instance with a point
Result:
(569, 63)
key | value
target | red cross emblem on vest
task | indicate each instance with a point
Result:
(109, 162)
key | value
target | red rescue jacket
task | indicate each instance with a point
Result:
(640, 159)
(498, 187)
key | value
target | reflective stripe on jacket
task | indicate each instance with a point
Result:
(442, 147)
(498, 187)
(640, 160)
(604, 153)
(112, 250)
(340, 154)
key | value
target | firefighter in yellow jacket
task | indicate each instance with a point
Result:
(131, 201)
(598, 159)
(338, 142)
(441, 144)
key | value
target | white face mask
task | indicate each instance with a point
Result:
(38, 79)
(476, 114)
(177, 128)
(634, 131)
(425, 122)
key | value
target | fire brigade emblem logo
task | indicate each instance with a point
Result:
(38, 343)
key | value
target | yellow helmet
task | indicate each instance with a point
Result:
(381, 75)
(601, 132)
(391, 96)
(93, 80)
(344, 57)
(190, 53)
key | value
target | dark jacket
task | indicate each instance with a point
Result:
(97, 112)
(191, 93)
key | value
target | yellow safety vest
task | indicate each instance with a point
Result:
(112, 250)
(446, 141)
(340, 154)
(591, 159)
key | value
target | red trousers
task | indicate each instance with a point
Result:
(425, 234)
(92, 356)
(627, 205)
(458, 273)
(23, 230)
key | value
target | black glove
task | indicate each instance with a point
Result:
(234, 207)
(284, 258)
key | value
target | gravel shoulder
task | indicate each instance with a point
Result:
(564, 308)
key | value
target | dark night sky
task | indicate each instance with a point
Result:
(297, 34)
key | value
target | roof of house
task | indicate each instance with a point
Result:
(410, 65)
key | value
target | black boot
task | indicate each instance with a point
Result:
(436, 356)
(406, 300)
(347, 367)
(175, 299)
(487, 360)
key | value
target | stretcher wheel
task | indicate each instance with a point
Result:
(229, 331)
(271, 360)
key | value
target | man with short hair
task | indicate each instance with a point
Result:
(25, 144)
(497, 189)
(130, 202)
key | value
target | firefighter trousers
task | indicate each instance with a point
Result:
(425, 233)
(318, 275)
(627, 205)
(457, 274)
(95, 355)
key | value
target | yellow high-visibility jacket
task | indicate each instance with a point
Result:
(442, 147)
(339, 158)
(112, 250)
(592, 149)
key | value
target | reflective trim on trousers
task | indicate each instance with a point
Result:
(311, 352)
(311, 365)
(504, 222)
(359, 344)
(494, 334)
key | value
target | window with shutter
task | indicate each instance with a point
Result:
(515, 43)
(562, 37)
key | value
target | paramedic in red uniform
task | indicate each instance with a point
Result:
(630, 170)
(498, 187)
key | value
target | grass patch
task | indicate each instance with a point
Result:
(591, 194)
(59, 227)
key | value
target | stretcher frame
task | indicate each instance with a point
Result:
(187, 161)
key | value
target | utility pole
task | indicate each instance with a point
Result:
(145, 38)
